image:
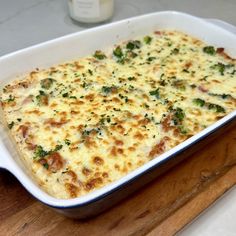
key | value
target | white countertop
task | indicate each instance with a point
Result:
(27, 22)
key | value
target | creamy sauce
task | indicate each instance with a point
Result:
(84, 124)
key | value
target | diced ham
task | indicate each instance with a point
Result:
(159, 148)
(27, 100)
(54, 123)
(166, 123)
(55, 162)
(24, 130)
(222, 52)
(202, 89)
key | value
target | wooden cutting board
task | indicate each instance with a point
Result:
(161, 208)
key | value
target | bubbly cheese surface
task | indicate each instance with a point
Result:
(86, 123)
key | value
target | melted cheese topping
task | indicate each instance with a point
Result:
(86, 123)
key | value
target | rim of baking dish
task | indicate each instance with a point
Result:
(96, 195)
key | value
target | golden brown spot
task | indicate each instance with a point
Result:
(53, 105)
(113, 151)
(36, 112)
(86, 171)
(72, 174)
(91, 184)
(120, 150)
(98, 160)
(89, 142)
(144, 121)
(138, 135)
(159, 148)
(115, 99)
(63, 113)
(89, 96)
(109, 107)
(105, 175)
(33, 73)
(119, 142)
(72, 189)
(78, 102)
(54, 123)
(197, 42)
(73, 112)
(117, 167)
(79, 127)
(145, 96)
(216, 81)
(166, 123)
(131, 149)
(119, 128)
(137, 117)
(124, 169)
(188, 64)
(78, 66)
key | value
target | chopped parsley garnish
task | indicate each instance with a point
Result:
(10, 98)
(182, 129)
(106, 90)
(45, 165)
(223, 96)
(175, 51)
(99, 55)
(185, 70)
(40, 152)
(65, 95)
(179, 84)
(57, 148)
(67, 142)
(42, 98)
(85, 85)
(209, 50)
(147, 39)
(199, 102)
(220, 67)
(211, 106)
(117, 52)
(90, 72)
(131, 78)
(155, 93)
(10, 126)
(216, 107)
(47, 83)
(73, 97)
(131, 45)
(178, 115)
(149, 59)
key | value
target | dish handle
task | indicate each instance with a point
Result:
(222, 24)
(3, 158)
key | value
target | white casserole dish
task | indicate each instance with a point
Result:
(84, 43)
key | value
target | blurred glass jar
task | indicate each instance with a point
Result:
(91, 11)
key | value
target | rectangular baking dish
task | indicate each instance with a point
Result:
(86, 42)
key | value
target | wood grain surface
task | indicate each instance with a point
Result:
(163, 207)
